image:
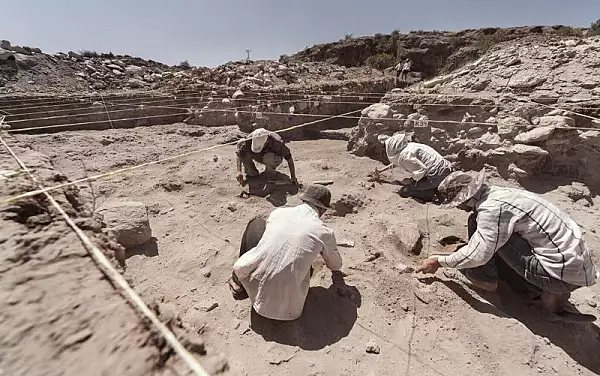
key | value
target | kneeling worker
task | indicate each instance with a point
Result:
(265, 147)
(533, 237)
(275, 257)
(426, 166)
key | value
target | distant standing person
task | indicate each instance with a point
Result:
(264, 147)
(426, 166)
(405, 69)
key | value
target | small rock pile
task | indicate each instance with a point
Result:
(117, 72)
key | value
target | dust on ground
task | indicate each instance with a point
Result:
(426, 326)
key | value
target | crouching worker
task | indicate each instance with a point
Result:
(426, 166)
(275, 261)
(531, 235)
(264, 147)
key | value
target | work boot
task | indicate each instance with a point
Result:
(468, 280)
(237, 290)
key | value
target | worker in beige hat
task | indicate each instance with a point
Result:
(276, 255)
(264, 147)
(427, 168)
(529, 234)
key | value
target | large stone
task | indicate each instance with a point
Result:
(557, 121)
(21, 50)
(133, 69)
(528, 150)
(377, 111)
(544, 98)
(375, 120)
(128, 221)
(509, 126)
(535, 135)
(75, 55)
(526, 81)
(4, 44)
(237, 94)
(134, 83)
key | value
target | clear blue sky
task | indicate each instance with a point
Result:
(213, 32)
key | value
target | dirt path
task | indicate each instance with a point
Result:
(422, 327)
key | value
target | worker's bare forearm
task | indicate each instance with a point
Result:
(388, 167)
(292, 167)
(239, 164)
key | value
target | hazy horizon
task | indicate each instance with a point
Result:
(210, 33)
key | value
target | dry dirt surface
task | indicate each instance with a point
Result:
(382, 321)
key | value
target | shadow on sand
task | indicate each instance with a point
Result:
(580, 341)
(275, 189)
(148, 249)
(329, 315)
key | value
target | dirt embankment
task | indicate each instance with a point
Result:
(58, 313)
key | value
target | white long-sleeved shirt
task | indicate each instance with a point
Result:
(275, 273)
(420, 160)
(555, 238)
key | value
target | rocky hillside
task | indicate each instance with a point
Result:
(29, 70)
(526, 107)
(432, 52)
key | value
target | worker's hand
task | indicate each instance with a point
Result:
(376, 174)
(429, 266)
(407, 181)
(240, 178)
(296, 182)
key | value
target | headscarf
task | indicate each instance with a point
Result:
(394, 145)
(259, 137)
(459, 187)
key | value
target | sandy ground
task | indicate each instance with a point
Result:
(427, 326)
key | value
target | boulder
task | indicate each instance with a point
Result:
(557, 121)
(75, 55)
(375, 120)
(128, 221)
(489, 141)
(577, 191)
(21, 50)
(135, 83)
(535, 135)
(237, 94)
(509, 126)
(132, 69)
(377, 111)
(5, 45)
(528, 150)
(544, 98)
(526, 81)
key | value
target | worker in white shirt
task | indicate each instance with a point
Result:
(529, 234)
(276, 256)
(425, 165)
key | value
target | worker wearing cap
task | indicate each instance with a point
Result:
(276, 256)
(533, 237)
(426, 166)
(264, 147)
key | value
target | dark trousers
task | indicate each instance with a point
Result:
(516, 254)
(426, 188)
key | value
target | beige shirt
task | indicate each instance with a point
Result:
(275, 273)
